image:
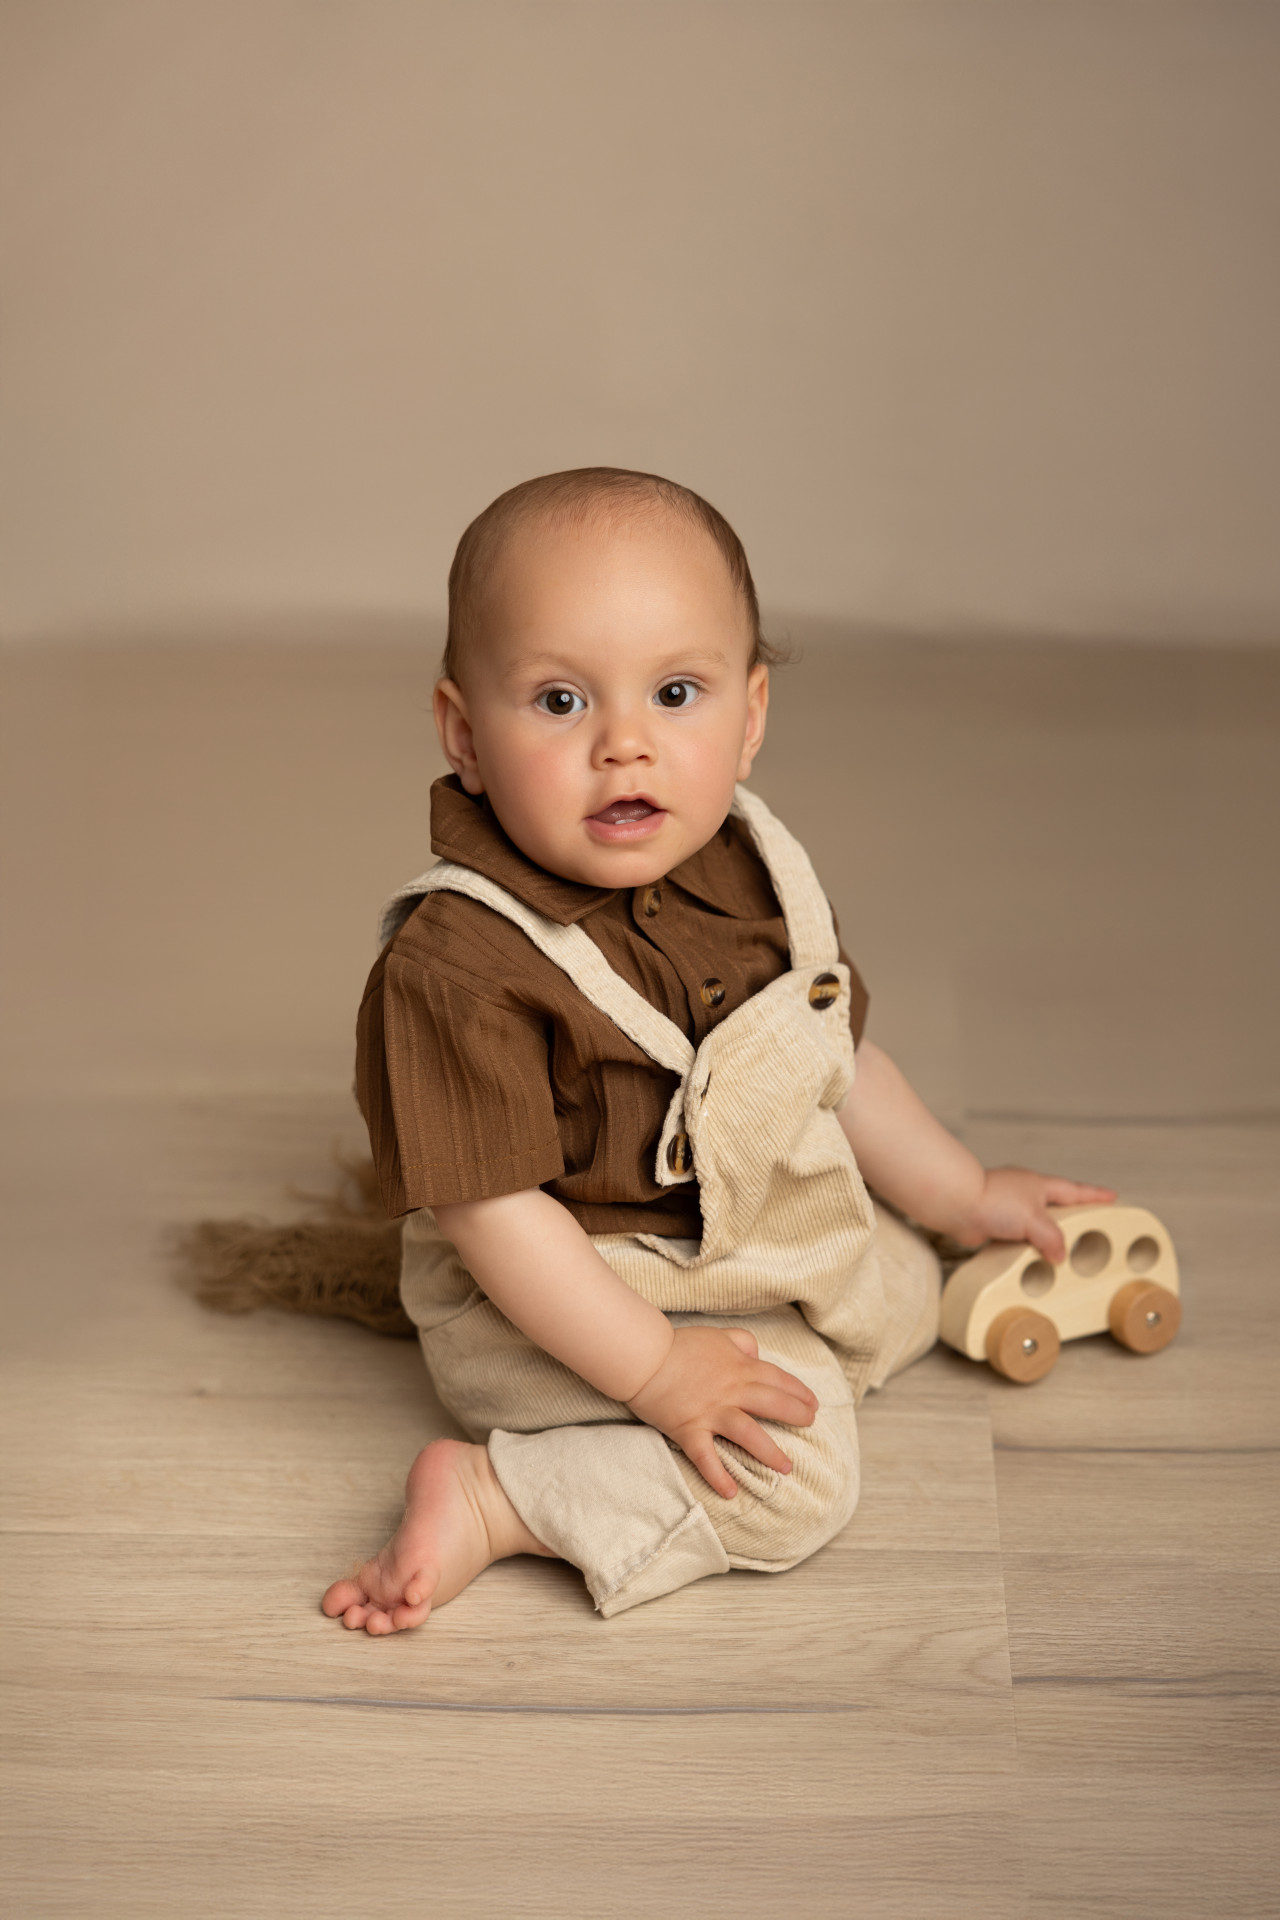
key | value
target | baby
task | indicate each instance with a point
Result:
(607, 1063)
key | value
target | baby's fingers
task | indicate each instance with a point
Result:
(778, 1380)
(752, 1438)
(783, 1404)
(1075, 1193)
(701, 1450)
(1045, 1236)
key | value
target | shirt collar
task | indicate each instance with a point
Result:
(726, 874)
(729, 875)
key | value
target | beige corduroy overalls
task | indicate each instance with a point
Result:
(835, 1290)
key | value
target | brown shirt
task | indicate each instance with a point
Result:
(480, 1068)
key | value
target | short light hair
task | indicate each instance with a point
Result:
(575, 497)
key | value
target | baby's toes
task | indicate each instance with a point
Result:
(419, 1589)
(378, 1622)
(410, 1614)
(341, 1595)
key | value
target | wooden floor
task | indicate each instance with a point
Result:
(1037, 1675)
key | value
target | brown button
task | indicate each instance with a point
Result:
(650, 900)
(711, 993)
(825, 991)
(679, 1158)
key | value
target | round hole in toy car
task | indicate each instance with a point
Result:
(1143, 1254)
(1090, 1254)
(1037, 1278)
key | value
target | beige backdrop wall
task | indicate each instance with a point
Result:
(964, 310)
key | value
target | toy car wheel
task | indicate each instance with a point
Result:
(1144, 1317)
(1022, 1345)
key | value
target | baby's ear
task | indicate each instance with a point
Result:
(757, 710)
(456, 738)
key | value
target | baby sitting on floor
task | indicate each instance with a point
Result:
(607, 1061)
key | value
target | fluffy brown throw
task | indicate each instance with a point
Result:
(343, 1262)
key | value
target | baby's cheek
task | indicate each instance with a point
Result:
(538, 797)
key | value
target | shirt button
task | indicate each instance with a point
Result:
(711, 993)
(825, 991)
(650, 901)
(679, 1158)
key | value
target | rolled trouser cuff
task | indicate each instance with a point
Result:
(611, 1500)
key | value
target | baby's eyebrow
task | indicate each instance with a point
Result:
(679, 657)
(709, 657)
(532, 663)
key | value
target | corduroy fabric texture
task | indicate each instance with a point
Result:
(789, 1248)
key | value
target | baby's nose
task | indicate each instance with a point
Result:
(622, 744)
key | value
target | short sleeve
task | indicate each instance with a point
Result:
(859, 998)
(455, 1089)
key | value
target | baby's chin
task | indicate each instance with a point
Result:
(618, 867)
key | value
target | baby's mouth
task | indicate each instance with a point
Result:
(624, 821)
(623, 812)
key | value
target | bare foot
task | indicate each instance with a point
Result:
(457, 1521)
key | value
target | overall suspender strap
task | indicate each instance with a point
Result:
(811, 933)
(576, 954)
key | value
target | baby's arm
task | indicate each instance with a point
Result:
(533, 1260)
(910, 1158)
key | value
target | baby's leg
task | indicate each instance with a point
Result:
(584, 1482)
(638, 1519)
(457, 1522)
(616, 1500)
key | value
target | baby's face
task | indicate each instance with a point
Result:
(606, 705)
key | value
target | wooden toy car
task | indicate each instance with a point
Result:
(1011, 1306)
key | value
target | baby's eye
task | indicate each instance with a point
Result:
(677, 694)
(561, 701)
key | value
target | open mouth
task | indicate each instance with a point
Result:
(622, 812)
(626, 819)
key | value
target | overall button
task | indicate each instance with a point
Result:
(679, 1158)
(711, 993)
(650, 901)
(825, 991)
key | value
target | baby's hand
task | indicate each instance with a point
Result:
(1013, 1205)
(712, 1383)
